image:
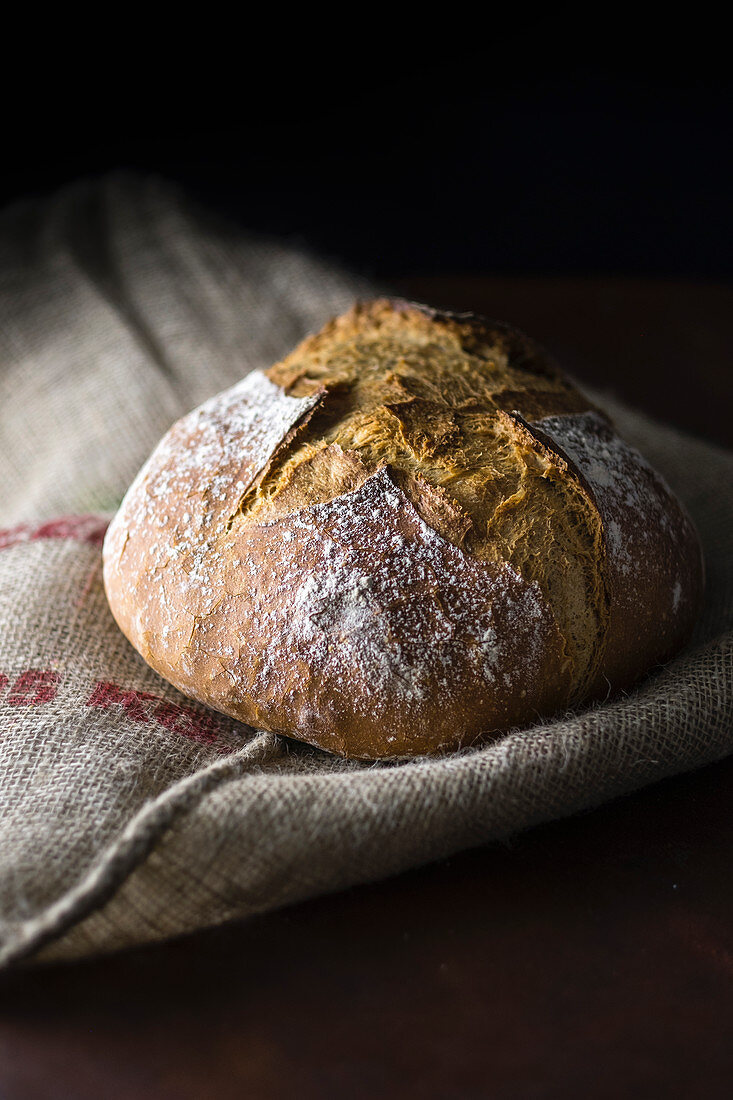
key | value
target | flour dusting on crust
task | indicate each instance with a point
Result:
(634, 502)
(357, 608)
(201, 469)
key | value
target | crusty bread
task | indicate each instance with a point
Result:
(412, 533)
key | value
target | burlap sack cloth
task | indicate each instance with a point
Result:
(128, 814)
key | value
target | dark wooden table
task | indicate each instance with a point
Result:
(591, 957)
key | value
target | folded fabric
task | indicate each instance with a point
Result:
(130, 814)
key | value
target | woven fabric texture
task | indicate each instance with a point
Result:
(129, 814)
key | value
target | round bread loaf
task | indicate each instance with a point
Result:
(410, 534)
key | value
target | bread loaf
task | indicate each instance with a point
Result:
(412, 533)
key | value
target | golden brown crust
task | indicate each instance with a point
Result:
(411, 533)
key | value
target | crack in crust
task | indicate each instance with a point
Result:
(434, 397)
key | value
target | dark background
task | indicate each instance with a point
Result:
(492, 147)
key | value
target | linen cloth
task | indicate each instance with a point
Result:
(129, 814)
